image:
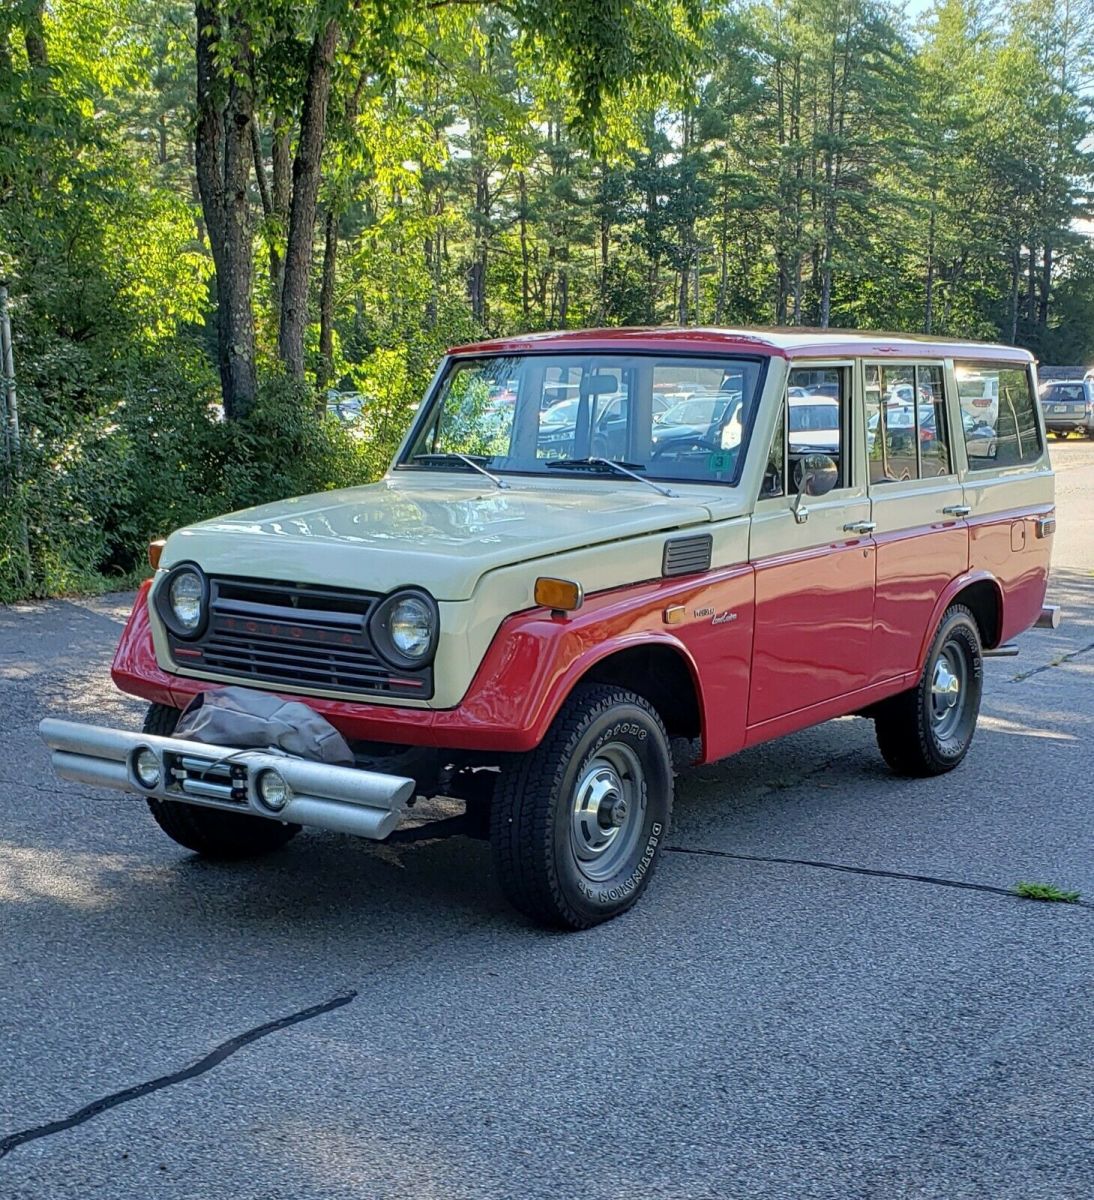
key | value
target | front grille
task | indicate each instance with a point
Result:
(295, 635)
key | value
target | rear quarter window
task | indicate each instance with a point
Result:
(1008, 433)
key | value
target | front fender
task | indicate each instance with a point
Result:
(536, 659)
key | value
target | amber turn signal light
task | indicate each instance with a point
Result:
(559, 595)
(155, 549)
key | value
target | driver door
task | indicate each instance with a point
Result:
(813, 556)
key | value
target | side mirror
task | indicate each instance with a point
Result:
(816, 475)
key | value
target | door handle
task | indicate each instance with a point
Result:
(956, 510)
(860, 527)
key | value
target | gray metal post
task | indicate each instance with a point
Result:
(10, 411)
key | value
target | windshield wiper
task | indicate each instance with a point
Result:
(449, 455)
(621, 468)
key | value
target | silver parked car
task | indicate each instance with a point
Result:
(1068, 405)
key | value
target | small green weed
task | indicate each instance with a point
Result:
(1044, 891)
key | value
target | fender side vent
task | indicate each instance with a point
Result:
(687, 555)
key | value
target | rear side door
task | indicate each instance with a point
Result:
(814, 566)
(1009, 490)
(919, 509)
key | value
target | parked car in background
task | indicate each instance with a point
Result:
(1068, 405)
(979, 395)
(711, 421)
(814, 420)
(526, 633)
(347, 407)
(558, 424)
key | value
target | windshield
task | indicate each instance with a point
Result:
(671, 417)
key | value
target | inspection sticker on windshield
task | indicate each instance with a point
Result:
(720, 462)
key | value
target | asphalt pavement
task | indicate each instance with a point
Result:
(827, 991)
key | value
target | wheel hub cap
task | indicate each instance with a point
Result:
(606, 811)
(947, 691)
(947, 687)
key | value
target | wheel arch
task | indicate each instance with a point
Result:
(659, 669)
(982, 594)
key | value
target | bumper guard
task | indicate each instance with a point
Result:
(342, 799)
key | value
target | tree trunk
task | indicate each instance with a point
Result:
(222, 156)
(305, 195)
(326, 301)
(928, 299)
(281, 160)
(1015, 276)
(268, 213)
(1046, 289)
(476, 280)
(522, 191)
(34, 35)
(1031, 309)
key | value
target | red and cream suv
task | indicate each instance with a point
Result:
(589, 544)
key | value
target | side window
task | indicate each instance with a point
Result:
(998, 414)
(816, 411)
(906, 429)
(934, 442)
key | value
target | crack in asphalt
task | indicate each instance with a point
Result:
(1056, 662)
(875, 872)
(206, 1063)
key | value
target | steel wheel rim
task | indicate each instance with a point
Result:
(948, 690)
(607, 810)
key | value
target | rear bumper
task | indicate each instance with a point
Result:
(342, 799)
(1063, 424)
(1049, 618)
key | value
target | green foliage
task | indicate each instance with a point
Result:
(1045, 891)
(491, 169)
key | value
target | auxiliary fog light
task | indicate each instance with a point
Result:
(147, 768)
(272, 790)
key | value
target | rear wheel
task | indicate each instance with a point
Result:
(928, 729)
(209, 831)
(577, 824)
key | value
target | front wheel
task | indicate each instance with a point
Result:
(928, 729)
(577, 824)
(211, 832)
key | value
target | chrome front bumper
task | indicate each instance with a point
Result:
(342, 799)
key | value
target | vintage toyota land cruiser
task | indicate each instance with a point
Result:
(591, 543)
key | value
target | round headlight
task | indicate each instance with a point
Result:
(404, 629)
(272, 790)
(185, 595)
(146, 767)
(411, 625)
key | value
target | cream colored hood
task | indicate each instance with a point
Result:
(440, 532)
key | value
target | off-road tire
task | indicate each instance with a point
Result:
(208, 831)
(909, 733)
(532, 818)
